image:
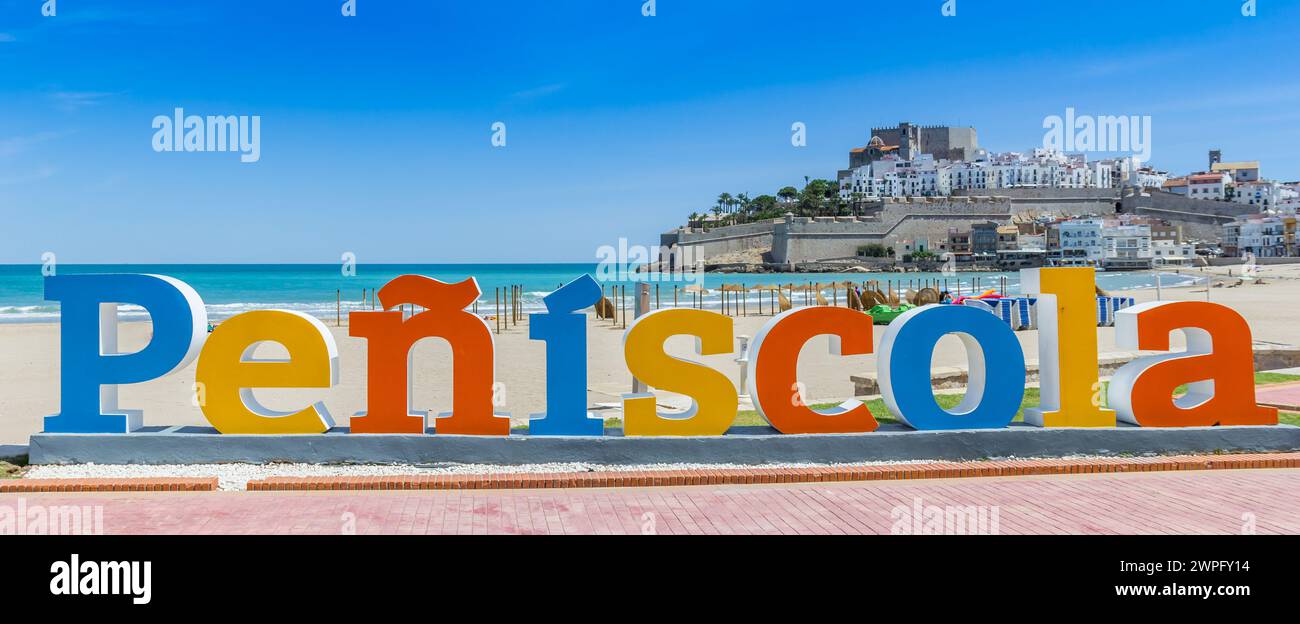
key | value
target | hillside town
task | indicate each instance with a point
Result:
(920, 194)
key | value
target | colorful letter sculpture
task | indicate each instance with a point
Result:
(564, 328)
(92, 365)
(1218, 368)
(773, 364)
(390, 339)
(713, 397)
(227, 372)
(1069, 382)
(995, 376)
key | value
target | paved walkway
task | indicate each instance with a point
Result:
(1285, 396)
(1230, 501)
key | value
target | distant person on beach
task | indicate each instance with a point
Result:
(945, 297)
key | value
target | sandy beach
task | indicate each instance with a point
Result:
(30, 358)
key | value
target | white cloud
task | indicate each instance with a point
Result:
(26, 176)
(12, 146)
(541, 91)
(77, 100)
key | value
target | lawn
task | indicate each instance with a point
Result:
(11, 471)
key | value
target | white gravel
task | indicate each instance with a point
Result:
(237, 476)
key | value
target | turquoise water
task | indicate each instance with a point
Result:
(314, 288)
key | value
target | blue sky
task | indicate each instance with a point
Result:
(376, 129)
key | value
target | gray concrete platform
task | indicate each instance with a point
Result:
(742, 445)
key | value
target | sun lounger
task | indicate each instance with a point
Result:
(1105, 313)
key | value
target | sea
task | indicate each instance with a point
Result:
(328, 290)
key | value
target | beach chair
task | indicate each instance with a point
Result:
(1006, 309)
(1119, 303)
(976, 303)
(1105, 314)
(1026, 312)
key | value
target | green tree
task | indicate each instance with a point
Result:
(873, 250)
(765, 207)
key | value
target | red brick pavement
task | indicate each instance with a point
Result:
(1229, 501)
(134, 484)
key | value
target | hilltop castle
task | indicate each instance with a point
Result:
(908, 141)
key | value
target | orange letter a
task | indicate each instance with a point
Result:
(1218, 368)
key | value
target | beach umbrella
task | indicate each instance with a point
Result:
(926, 296)
(854, 301)
(785, 303)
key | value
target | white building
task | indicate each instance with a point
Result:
(1078, 242)
(1127, 246)
(924, 176)
(1208, 186)
(1265, 194)
(1170, 253)
(1146, 177)
(1262, 236)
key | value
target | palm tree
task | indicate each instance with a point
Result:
(857, 197)
(725, 201)
(745, 203)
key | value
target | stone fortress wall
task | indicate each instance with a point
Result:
(807, 239)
